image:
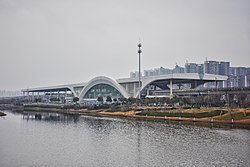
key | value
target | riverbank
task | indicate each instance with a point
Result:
(2, 114)
(227, 118)
(208, 115)
(11, 107)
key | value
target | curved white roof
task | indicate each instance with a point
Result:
(117, 83)
(103, 80)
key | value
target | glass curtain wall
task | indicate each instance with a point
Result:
(103, 90)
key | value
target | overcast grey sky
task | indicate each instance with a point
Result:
(52, 42)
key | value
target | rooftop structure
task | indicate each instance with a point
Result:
(129, 87)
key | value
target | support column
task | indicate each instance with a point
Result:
(224, 84)
(50, 96)
(171, 89)
(28, 94)
(148, 89)
(58, 96)
(65, 96)
(32, 99)
(66, 93)
(134, 90)
(45, 97)
(127, 87)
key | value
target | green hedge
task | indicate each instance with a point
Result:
(185, 115)
(44, 106)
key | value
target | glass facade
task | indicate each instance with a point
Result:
(103, 90)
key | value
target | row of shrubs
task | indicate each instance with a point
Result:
(116, 108)
(185, 115)
(44, 106)
(56, 106)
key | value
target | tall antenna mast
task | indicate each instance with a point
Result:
(139, 52)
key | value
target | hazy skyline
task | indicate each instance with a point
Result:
(53, 42)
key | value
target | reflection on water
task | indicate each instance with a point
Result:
(67, 117)
(50, 116)
(53, 139)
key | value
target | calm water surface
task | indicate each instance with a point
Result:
(51, 139)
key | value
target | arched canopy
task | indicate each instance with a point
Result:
(103, 86)
(145, 83)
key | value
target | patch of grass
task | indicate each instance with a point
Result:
(119, 109)
(235, 116)
(225, 117)
(183, 114)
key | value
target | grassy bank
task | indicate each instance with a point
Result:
(235, 116)
(220, 115)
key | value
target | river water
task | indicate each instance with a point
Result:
(52, 139)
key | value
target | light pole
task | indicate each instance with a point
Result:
(139, 52)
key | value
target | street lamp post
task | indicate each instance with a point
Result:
(139, 52)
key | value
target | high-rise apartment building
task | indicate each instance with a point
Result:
(157, 71)
(211, 67)
(218, 68)
(237, 76)
(178, 69)
(200, 69)
(224, 68)
(194, 68)
(148, 73)
(191, 68)
(163, 71)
